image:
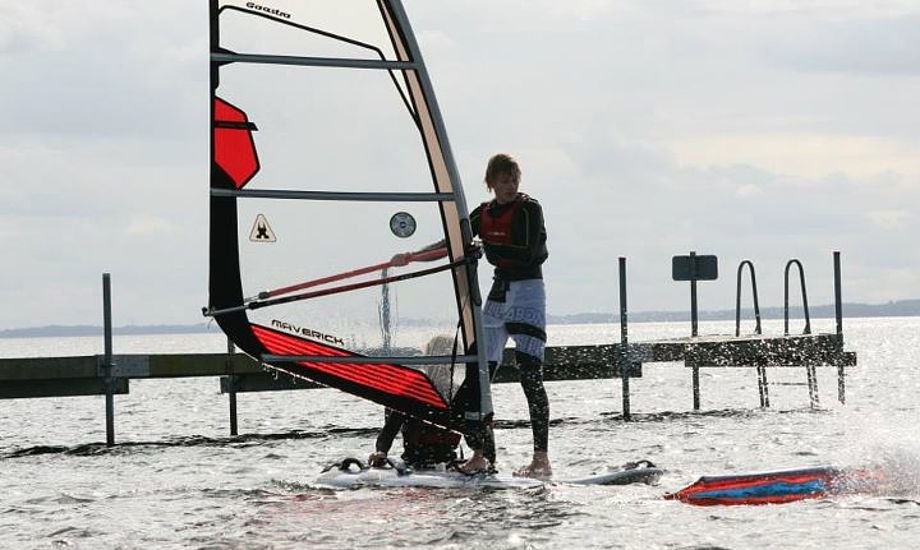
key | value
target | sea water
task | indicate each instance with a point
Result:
(177, 479)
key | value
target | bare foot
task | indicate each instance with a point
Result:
(475, 465)
(538, 468)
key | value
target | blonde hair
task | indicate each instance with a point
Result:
(502, 164)
(440, 375)
(442, 344)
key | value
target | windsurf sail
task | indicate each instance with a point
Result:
(328, 156)
(778, 487)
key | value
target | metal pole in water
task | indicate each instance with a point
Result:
(838, 310)
(696, 388)
(838, 303)
(232, 379)
(107, 360)
(694, 329)
(383, 312)
(623, 356)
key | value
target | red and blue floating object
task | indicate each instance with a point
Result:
(777, 487)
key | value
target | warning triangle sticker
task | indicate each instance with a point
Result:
(261, 231)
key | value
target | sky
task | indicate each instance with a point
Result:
(761, 130)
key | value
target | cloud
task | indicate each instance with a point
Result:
(884, 45)
(748, 190)
(146, 225)
(646, 128)
(833, 8)
(84, 69)
(810, 156)
(614, 199)
(890, 219)
(20, 27)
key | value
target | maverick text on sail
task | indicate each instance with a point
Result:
(308, 332)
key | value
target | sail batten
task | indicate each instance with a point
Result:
(362, 170)
(259, 303)
(333, 195)
(401, 359)
(341, 63)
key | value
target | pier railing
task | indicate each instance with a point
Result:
(807, 350)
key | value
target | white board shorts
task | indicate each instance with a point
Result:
(521, 316)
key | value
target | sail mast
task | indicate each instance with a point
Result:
(441, 157)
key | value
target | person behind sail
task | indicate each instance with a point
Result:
(514, 238)
(425, 446)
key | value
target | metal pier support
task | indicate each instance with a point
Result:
(798, 264)
(757, 327)
(696, 387)
(810, 374)
(694, 329)
(623, 357)
(232, 383)
(107, 360)
(763, 388)
(838, 310)
(694, 268)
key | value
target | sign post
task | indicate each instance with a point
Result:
(694, 268)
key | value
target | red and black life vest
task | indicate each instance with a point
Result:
(496, 229)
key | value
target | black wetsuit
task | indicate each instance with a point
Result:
(424, 445)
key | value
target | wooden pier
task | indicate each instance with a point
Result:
(110, 374)
(239, 373)
(757, 351)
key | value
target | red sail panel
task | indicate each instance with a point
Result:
(391, 379)
(234, 148)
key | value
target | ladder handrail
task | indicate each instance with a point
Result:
(757, 327)
(798, 264)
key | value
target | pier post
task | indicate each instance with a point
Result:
(694, 316)
(694, 328)
(694, 268)
(231, 383)
(623, 358)
(107, 360)
(838, 310)
(696, 388)
(811, 377)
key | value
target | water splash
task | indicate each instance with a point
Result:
(899, 469)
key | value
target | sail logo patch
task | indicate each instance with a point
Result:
(262, 232)
(266, 9)
(402, 224)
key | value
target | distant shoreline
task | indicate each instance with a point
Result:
(95, 330)
(901, 308)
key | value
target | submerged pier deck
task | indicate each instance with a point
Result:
(85, 375)
(754, 350)
(747, 350)
(109, 374)
(239, 373)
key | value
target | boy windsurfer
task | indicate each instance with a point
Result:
(514, 239)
